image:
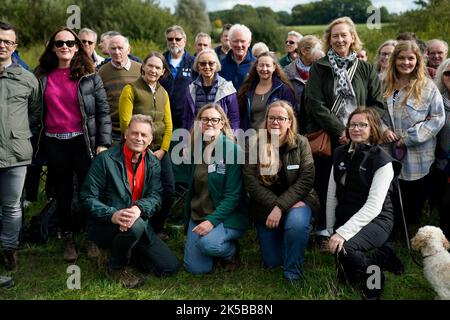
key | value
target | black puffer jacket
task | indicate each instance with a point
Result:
(94, 110)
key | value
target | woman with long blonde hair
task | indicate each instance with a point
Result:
(280, 186)
(215, 202)
(414, 115)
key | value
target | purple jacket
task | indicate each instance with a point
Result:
(279, 91)
(226, 97)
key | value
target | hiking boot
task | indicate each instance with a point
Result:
(10, 259)
(125, 277)
(390, 261)
(6, 282)
(103, 258)
(163, 235)
(92, 250)
(234, 262)
(70, 251)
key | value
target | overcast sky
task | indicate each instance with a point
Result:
(286, 5)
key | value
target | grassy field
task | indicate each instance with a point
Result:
(42, 274)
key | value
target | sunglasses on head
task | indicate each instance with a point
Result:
(69, 43)
(87, 42)
(176, 39)
(446, 73)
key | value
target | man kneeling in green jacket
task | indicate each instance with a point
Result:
(121, 192)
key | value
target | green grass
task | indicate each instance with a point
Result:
(42, 275)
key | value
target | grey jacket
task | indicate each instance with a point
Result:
(19, 115)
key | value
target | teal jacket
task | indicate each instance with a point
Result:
(319, 93)
(106, 188)
(225, 189)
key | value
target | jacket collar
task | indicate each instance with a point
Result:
(248, 58)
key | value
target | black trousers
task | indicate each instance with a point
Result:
(138, 245)
(168, 196)
(414, 195)
(322, 175)
(64, 158)
(440, 198)
(363, 250)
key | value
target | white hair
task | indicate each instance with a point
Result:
(259, 46)
(243, 29)
(295, 34)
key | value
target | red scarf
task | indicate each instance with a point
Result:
(303, 74)
(136, 179)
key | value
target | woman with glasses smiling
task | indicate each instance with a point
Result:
(359, 208)
(209, 87)
(215, 203)
(76, 124)
(384, 52)
(280, 186)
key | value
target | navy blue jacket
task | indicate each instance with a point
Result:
(234, 72)
(178, 86)
(279, 91)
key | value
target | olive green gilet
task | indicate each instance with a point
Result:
(145, 102)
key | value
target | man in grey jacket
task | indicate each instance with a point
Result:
(19, 117)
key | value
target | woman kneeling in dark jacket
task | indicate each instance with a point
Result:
(281, 190)
(359, 204)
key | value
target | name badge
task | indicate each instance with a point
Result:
(221, 168)
(293, 167)
(211, 168)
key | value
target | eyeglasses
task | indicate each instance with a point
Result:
(205, 63)
(87, 42)
(385, 54)
(176, 39)
(213, 121)
(361, 125)
(446, 73)
(278, 119)
(69, 43)
(7, 43)
(289, 42)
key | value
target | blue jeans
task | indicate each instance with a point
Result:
(12, 180)
(199, 251)
(285, 245)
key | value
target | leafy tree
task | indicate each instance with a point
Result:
(194, 13)
(324, 11)
(284, 18)
(137, 19)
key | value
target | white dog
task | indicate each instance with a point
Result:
(433, 245)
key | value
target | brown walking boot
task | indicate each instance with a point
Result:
(92, 250)
(10, 259)
(70, 251)
(125, 277)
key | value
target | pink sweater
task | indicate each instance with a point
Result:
(61, 98)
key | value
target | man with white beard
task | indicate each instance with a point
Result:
(176, 84)
(180, 65)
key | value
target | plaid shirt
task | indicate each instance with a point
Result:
(418, 124)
